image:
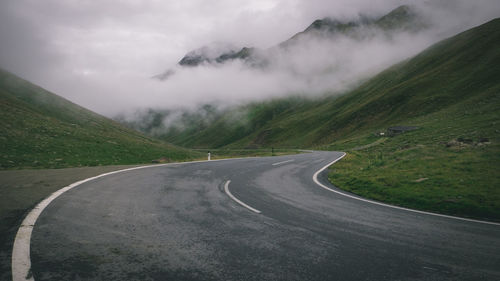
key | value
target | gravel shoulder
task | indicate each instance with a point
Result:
(21, 190)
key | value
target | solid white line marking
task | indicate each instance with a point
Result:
(283, 162)
(226, 188)
(315, 179)
(21, 260)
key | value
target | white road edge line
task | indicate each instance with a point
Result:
(283, 162)
(226, 189)
(315, 179)
(21, 259)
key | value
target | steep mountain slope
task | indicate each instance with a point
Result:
(449, 164)
(403, 18)
(41, 129)
(454, 74)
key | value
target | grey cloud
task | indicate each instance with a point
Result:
(101, 54)
(23, 46)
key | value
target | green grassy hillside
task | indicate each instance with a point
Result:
(41, 129)
(454, 74)
(450, 165)
(451, 91)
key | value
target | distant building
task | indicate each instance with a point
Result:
(400, 129)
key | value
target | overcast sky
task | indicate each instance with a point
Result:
(101, 54)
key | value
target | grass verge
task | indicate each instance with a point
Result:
(236, 153)
(424, 170)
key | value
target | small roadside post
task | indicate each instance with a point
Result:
(209, 156)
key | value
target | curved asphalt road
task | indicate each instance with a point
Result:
(176, 222)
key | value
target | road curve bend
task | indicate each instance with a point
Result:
(182, 222)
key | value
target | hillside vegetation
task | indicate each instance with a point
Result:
(40, 129)
(450, 91)
(450, 165)
(462, 70)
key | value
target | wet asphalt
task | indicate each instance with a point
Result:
(175, 222)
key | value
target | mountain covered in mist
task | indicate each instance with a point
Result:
(449, 164)
(404, 18)
(455, 79)
(41, 129)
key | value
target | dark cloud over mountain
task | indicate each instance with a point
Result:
(102, 54)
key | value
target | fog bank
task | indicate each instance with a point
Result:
(102, 55)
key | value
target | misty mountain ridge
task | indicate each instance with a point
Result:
(448, 79)
(208, 53)
(402, 19)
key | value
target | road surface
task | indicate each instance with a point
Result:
(248, 219)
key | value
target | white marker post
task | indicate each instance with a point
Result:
(209, 156)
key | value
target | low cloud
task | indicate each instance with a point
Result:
(313, 67)
(102, 55)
